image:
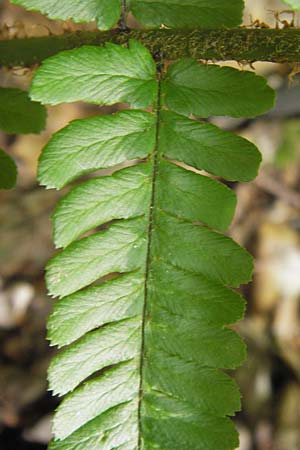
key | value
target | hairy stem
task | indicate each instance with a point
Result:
(240, 44)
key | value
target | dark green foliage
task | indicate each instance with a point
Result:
(18, 114)
(8, 171)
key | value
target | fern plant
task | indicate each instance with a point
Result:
(145, 277)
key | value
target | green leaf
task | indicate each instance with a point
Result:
(145, 299)
(75, 315)
(125, 194)
(110, 429)
(18, 114)
(204, 146)
(96, 350)
(201, 250)
(195, 197)
(96, 143)
(117, 385)
(203, 434)
(188, 13)
(295, 4)
(120, 196)
(98, 75)
(105, 12)
(121, 248)
(206, 90)
(8, 171)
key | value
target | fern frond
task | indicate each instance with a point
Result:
(146, 302)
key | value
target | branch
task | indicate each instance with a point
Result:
(240, 44)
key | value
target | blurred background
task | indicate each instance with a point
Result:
(267, 222)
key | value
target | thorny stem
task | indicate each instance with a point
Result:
(239, 44)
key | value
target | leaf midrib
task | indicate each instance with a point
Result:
(155, 158)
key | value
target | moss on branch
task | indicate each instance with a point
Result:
(240, 44)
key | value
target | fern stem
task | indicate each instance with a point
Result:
(240, 44)
(122, 23)
(151, 220)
